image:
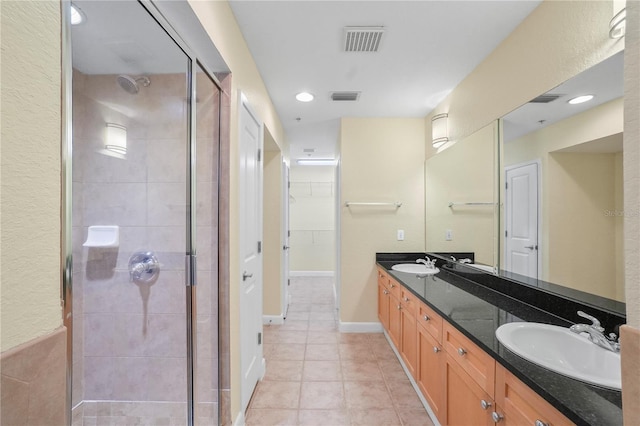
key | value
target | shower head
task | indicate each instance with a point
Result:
(130, 84)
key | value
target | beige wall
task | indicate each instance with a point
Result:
(382, 160)
(603, 121)
(473, 227)
(220, 23)
(272, 234)
(31, 93)
(312, 218)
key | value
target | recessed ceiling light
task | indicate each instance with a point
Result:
(580, 99)
(304, 97)
(77, 17)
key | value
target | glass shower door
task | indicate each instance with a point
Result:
(130, 218)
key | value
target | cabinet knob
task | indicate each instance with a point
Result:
(461, 352)
(485, 404)
(436, 349)
(399, 307)
(385, 291)
(496, 417)
(541, 423)
(392, 285)
(426, 318)
(406, 299)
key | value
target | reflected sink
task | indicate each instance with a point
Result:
(415, 268)
(562, 351)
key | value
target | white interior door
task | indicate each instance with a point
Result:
(285, 240)
(251, 357)
(522, 220)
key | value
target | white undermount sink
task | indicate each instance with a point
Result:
(562, 351)
(415, 268)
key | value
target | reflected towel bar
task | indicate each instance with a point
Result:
(470, 204)
(352, 203)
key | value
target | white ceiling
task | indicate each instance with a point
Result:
(427, 49)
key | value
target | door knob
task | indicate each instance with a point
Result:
(534, 247)
(245, 275)
(285, 247)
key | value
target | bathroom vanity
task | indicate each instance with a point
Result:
(443, 327)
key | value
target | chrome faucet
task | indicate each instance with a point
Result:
(595, 332)
(430, 264)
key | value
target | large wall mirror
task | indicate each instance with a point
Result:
(561, 176)
(461, 193)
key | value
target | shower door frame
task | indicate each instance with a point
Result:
(190, 247)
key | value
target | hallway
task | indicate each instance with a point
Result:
(318, 376)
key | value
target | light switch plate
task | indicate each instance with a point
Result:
(400, 235)
(448, 235)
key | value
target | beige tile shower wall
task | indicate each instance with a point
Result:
(134, 334)
(382, 160)
(473, 228)
(272, 235)
(312, 218)
(30, 177)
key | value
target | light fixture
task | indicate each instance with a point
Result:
(618, 24)
(580, 99)
(316, 162)
(439, 130)
(115, 139)
(77, 16)
(304, 97)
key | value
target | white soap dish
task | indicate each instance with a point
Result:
(103, 236)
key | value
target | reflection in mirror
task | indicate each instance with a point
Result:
(562, 209)
(460, 186)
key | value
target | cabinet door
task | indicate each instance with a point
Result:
(394, 320)
(383, 305)
(519, 405)
(408, 339)
(464, 398)
(430, 372)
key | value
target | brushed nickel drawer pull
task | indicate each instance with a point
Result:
(436, 349)
(485, 404)
(426, 318)
(461, 352)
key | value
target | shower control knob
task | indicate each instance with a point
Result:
(144, 267)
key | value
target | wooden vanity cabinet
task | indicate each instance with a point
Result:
(383, 305)
(517, 404)
(466, 402)
(430, 367)
(408, 330)
(389, 305)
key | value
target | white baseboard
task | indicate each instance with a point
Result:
(272, 319)
(434, 419)
(360, 327)
(239, 421)
(311, 273)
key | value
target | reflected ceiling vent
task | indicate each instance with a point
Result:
(309, 150)
(345, 96)
(362, 39)
(545, 99)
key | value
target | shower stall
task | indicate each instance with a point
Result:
(143, 200)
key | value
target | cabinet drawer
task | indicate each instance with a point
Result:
(476, 362)
(408, 301)
(383, 277)
(519, 404)
(394, 288)
(431, 321)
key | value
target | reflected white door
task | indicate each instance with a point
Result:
(251, 357)
(285, 240)
(522, 217)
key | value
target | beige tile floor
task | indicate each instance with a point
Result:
(318, 376)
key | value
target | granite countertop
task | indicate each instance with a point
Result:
(477, 311)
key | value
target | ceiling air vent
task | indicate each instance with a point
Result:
(309, 150)
(345, 96)
(545, 99)
(362, 39)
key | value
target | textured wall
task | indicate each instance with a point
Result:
(31, 116)
(382, 160)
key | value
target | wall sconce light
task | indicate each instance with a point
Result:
(618, 24)
(439, 130)
(115, 143)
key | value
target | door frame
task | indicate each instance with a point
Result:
(538, 163)
(286, 235)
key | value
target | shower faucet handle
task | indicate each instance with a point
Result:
(143, 267)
